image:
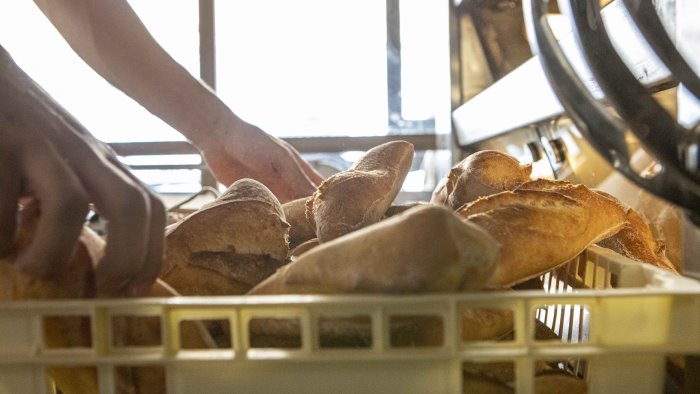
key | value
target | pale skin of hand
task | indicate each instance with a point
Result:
(109, 36)
(46, 155)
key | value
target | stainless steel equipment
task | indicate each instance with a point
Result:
(588, 103)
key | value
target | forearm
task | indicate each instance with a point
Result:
(123, 52)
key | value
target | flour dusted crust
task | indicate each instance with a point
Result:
(636, 241)
(480, 174)
(426, 249)
(300, 229)
(355, 198)
(229, 245)
(541, 225)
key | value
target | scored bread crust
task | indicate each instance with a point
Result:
(542, 225)
(359, 196)
(480, 174)
(229, 245)
(637, 241)
(426, 249)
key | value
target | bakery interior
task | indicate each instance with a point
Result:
(564, 124)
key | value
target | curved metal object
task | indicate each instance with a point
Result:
(649, 24)
(604, 132)
(653, 126)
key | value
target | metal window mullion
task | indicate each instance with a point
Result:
(393, 63)
(207, 63)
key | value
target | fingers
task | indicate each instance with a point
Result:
(68, 169)
(310, 172)
(63, 204)
(142, 282)
(127, 209)
(10, 187)
(135, 217)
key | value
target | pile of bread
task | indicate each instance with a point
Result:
(488, 226)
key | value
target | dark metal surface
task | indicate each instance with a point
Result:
(605, 132)
(524, 96)
(649, 23)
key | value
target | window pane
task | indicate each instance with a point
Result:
(109, 114)
(424, 59)
(306, 67)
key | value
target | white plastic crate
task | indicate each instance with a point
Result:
(616, 320)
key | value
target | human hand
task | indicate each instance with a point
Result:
(46, 154)
(245, 151)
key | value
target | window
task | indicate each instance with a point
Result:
(301, 70)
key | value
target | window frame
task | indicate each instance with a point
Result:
(423, 134)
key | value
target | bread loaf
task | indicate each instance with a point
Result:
(303, 248)
(396, 209)
(636, 240)
(480, 324)
(480, 174)
(359, 196)
(76, 281)
(229, 245)
(300, 229)
(542, 225)
(426, 249)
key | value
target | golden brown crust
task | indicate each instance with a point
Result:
(426, 249)
(480, 174)
(358, 197)
(636, 241)
(559, 383)
(228, 246)
(303, 248)
(300, 229)
(541, 225)
(396, 209)
(76, 281)
(480, 324)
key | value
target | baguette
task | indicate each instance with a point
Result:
(637, 242)
(300, 229)
(480, 174)
(542, 225)
(355, 198)
(229, 245)
(426, 249)
(76, 281)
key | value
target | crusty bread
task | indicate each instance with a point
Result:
(359, 196)
(542, 225)
(426, 249)
(480, 324)
(75, 281)
(559, 382)
(300, 229)
(303, 248)
(494, 377)
(229, 245)
(396, 209)
(480, 174)
(636, 240)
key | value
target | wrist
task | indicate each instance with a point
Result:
(211, 136)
